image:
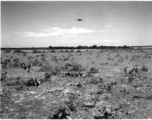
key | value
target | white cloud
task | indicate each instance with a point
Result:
(75, 31)
(56, 32)
(101, 31)
(70, 36)
(4, 36)
(108, 25)
(109, 40)
(32, 34)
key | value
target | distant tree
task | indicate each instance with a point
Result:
(79, 47)
(94, 47)
(125, 47)
(50, 47)
(119, 47)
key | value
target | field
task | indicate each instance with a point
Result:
(76, 84)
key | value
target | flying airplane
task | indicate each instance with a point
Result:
(79, 19)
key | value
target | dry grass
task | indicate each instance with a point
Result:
(78, 84)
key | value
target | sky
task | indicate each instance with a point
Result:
(54, 23)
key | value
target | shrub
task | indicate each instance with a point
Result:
(7, 51)
(3, 65)
(34, 51)
(16, 60)
(61, 112)
(47, 76)
(5, 92)
(117, 55)
(78, 51)
(96, 80)
(55, 71)
(67, 65)
(20, 87)
(72, 50)
(45, 69)
(16, 65)
(71, 102)
(3, 75)
(144, 68)
(24, 54)
(76, 67)
(52, 51)
(102, 113)
(17, 51)
(36, 63)
(93, 70)
(32, 82)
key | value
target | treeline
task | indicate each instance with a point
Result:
(91, 47)
(81, 47)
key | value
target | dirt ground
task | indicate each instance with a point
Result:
(76, 84)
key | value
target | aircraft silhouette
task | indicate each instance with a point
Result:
(79, 19)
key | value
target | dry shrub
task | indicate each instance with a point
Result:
(96, 80)
(5, 91)
(144, 68)
(47, 76)
(3, 75)
(17, 51)
(45, 69)
(36, 63)
(59, 111)
(7, 51)
(92, 71)
(103, 112)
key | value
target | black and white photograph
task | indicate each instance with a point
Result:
(76, 60)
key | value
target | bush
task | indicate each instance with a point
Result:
(66, 51)
(16, 65)
(144, 68)
(17, 51)
(34, 51)
(92, 71)
(16, 60)
(71, 102)
(5, 92)
(76, 67)
(78, 51)
(56, 71)
(3, 75)
(3, 65)
(96, 80)
(7, 51)
(52, 51)
(47, 76)
(36, 63)
(103, 113)
(45, 69)
(59, 112)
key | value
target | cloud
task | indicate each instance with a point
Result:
(103, 40)
(4, 36)
(108, 25)
(75, 31)
(108, 40)
(101, 31)
(32, 34)
(70, 36)
(56, 32)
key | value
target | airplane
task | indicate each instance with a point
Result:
(79, 19)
